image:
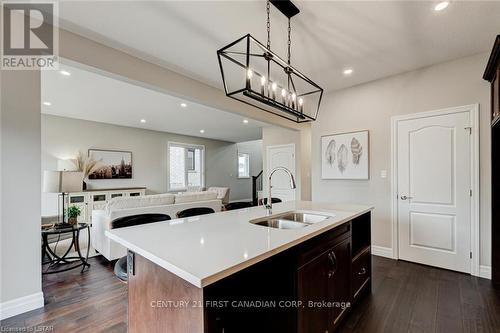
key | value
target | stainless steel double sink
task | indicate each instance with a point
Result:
(291, 220)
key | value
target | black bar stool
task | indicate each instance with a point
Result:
(273, 200)
(194, 212)
(128, 221)
(238, 205)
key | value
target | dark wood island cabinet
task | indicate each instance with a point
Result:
(309, 287)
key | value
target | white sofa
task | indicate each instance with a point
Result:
(167, 203)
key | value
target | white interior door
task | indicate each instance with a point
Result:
(434, 184)
(281, 156)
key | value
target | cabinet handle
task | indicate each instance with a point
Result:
(362, 271)
(333, 261)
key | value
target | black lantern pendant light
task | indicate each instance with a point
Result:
(253, 74)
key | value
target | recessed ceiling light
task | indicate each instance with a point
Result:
(348, 71)
(442, 5)
(65, 73)
(202, 131)
(47, 103)
(245, 121)
(143, 121)
(183, 105)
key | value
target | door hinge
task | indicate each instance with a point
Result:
(469, 129)
(470, 255)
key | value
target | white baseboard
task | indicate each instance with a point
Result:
(21, 305)
(382, 251)
(485, 272)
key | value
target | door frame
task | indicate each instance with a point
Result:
(266, 170)
(473, 110)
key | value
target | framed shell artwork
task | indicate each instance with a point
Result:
(345, 156)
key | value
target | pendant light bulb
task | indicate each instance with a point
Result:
(283, 92)
(274, 86)
(249, 73)
(301, 101)
(263, 85)
(294, 97)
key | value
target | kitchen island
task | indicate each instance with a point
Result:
(226, 272)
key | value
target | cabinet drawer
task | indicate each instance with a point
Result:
(99, 197)
(318, 245)
(77, 199)
(361, 272)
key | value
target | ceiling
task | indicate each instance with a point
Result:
(95, 97)
(374, 38)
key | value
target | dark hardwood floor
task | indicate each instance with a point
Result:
(406, 297)
(94, 301)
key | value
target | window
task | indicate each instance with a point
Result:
(185, 166)
(243, 165)
(191, 160)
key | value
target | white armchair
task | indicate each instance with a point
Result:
(222, 193)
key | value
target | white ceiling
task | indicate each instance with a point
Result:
(95, 97)
(375, 38)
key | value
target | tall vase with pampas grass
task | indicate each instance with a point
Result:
(87, 165)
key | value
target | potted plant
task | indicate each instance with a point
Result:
(73, 212)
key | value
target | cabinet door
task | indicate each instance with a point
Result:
(312, 284)
(79, 201)
(339, 281)
(83, 212)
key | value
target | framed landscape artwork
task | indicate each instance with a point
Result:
(345, 156)
(115, 164)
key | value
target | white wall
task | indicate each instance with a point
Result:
(223, 165)
(305, 162)
(20, 275)
(371, 105)
(62, 138)
(254, 149)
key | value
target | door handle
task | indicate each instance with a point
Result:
(404, 197)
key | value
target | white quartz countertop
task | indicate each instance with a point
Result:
(208, 248)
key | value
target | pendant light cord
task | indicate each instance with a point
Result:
(289, 40)
(268, 8)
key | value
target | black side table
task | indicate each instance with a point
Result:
(55, 260)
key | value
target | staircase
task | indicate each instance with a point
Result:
(256, 187)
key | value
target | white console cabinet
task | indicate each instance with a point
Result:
(97, 199)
